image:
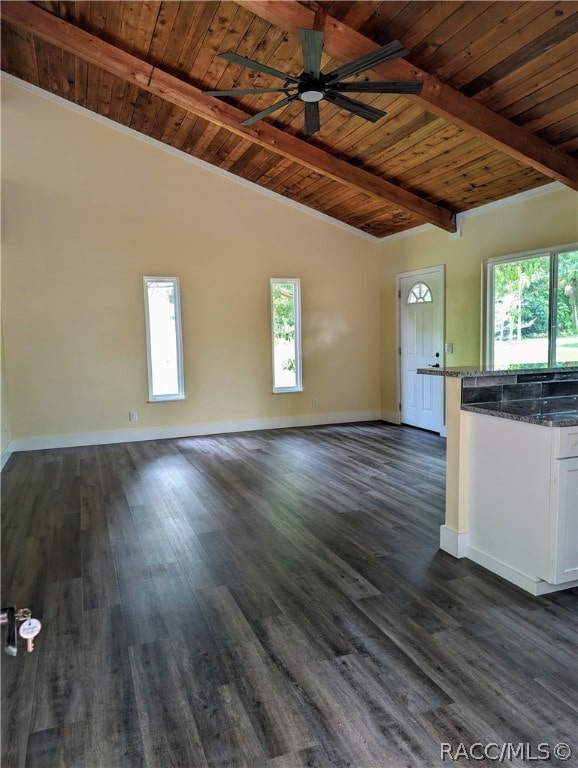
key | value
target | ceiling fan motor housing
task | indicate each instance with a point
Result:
(311, 89)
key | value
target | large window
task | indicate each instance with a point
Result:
(164, 343)
(286, 331)
(532, 314)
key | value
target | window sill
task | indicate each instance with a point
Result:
(166, 399)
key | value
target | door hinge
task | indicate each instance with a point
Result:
(399, 294)
(399, 406)
(399, 350)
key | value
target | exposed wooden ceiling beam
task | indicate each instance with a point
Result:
(345, 43)
(74, 40)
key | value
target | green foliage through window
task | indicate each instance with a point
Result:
(567, 318)
(285, 319)
(284, 311)
(523, 313)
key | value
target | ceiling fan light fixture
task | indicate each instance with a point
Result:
(311, 96)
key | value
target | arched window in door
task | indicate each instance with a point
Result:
(419, 294)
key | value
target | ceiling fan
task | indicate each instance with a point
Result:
(312, 86)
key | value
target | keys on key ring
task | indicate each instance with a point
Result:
(28, 630)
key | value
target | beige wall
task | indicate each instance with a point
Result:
(5, 431)
(548, 220)
(90, 210)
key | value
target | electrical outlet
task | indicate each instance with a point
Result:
(133, 415)
(314, 403)
(449, 348)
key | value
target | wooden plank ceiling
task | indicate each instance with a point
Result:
(497, 114)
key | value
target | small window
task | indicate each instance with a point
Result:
(286, 332)
(164, 342)
(419, 294)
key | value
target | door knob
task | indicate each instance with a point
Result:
(436, 365)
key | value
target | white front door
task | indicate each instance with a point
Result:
(421, 345)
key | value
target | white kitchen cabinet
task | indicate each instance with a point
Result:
(565, 520)
(522, 500)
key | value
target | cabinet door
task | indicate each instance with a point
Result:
(566, 530)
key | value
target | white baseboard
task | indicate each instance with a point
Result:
(456, 544)
(191, 430)
(5, 455)
(528, 583)
(392, 417)
(452, 542)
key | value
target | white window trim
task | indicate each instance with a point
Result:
(180, 395)
(298, 363)
(420, 300)
(488, 287)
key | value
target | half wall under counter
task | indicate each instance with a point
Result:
(512, 472)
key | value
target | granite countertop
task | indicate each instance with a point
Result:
(537, 394)
(467, 371)
(546, 412)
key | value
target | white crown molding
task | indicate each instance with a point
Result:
(406, 233)
(191, 430)
(520, 197)
(103, 120)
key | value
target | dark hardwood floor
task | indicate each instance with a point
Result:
(265, 599)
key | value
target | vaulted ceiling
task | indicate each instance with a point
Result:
(497, 114)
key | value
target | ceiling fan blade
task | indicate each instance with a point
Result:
(374, 86)
(312, 43)
(387, 52)
(357, 107)
(245, 91)
(312, 124)
(265, 112)
(245, 62)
